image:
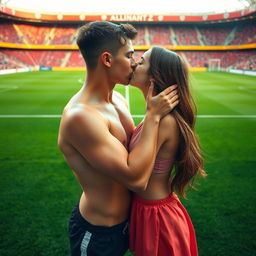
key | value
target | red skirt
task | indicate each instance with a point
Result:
(161, 228)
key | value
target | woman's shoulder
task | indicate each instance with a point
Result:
(169, 126)
(169, 121)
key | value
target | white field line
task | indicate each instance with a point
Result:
(7, 88)
(226, 116)
(30, 116)
(80, 81)
(134, 116)
(242, 88)
(212, 116)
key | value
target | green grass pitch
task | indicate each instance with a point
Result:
(38, 190)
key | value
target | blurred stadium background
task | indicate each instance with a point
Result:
(216, 41)
(42, 68)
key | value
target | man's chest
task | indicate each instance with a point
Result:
(120, 123)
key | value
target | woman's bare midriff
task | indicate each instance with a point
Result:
(158, 187)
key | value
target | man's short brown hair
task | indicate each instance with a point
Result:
(99, 36)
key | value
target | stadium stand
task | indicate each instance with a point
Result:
(30, 34)
(76, 60)
(159, 35)
(63, 35)
(230, 59)
(141, 37)
(9, 34)
(186, 35)
(216, 35)
(147, 35)
(244, 34)
(199, 34)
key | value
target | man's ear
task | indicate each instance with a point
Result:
(106, 59)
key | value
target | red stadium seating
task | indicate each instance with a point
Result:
(64, 35)
(203, 34)
(159, 35)
(33, 35)
(150, 34)
(186, 35)
(75, 60)
(140, 39)
(214, 35)
(230, 59)
(9, 34)
(244, 34)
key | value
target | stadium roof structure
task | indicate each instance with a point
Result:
(28, 15)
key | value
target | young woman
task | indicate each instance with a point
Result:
(159, 223)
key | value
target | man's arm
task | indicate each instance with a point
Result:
(89, 134)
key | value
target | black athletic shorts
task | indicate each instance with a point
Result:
(91, 240)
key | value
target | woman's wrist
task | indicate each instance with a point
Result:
(153, 117)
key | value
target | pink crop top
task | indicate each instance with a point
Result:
(161, 165)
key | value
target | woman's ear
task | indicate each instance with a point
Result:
(106, 59)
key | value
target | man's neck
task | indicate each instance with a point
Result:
(98, 88)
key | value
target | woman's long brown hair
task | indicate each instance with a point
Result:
(167, 68)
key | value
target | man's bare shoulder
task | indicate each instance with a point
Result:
(82, 116)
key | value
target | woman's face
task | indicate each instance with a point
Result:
(140, 77)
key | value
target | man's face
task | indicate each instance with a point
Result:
(123, 64)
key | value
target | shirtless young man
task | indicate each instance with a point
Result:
(95, 129)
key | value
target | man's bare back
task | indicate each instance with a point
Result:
(106, 202)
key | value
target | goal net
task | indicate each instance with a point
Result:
(214, 65)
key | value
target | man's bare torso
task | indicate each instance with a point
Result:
(104, 201)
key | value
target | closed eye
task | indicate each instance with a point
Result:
(141, 61)
(129, 54)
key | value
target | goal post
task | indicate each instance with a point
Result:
(214, 65)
